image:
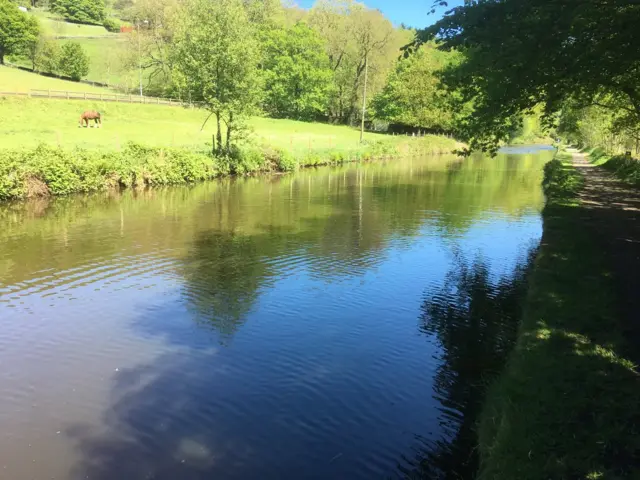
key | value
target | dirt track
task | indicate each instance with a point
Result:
(612, 214)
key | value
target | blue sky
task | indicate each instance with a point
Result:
(411, 12)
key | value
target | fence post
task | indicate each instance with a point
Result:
(101, 97)
(130, 98)
(49, 92)
(158, 100)
(85, 95)
(67, 95)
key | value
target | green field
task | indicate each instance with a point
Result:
(105, 53)
(55, 26)
(105, 62)
(16, 80)
(26, 122)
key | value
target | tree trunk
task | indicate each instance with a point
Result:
(229, 130)
(219, 133)
(1, 56)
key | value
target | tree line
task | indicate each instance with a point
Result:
(576, 61)
(242, 57)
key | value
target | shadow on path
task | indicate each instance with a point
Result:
(612, 215)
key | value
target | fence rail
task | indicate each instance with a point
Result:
(103, 97)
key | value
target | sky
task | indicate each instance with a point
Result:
(414, 13)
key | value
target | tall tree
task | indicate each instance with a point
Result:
(356, 37)
(17, 30)
(522, 53)
(73, 61)
(413, 95)
(297, 74)
(148, 46)
(215, 56)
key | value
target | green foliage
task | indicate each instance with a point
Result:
(247, 160)
(561, 181)
(532, 130)
(215, 56)
(81, 11)
(112, 24)
(413, 95)
(73, 61)
(287, 162)
(60, 172)
(520, 54)
(354, 35)
(17, 30)
(623, 167)
(607, 125)
(297, 74)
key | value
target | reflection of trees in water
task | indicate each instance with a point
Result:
(474, 318)
(224, 274)
(334, 224)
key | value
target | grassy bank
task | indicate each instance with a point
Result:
(16, 80)
(47, 170)
(106, 56)
(566, 405)
(625, 168)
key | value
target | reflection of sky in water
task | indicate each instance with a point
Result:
(325, 364)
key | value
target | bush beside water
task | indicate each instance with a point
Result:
(47, 170)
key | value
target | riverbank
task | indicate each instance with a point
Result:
(44, 152)
(566, 405)
(46, 170)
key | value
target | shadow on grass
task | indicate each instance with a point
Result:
(568, 404)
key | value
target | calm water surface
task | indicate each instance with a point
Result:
(335, 323)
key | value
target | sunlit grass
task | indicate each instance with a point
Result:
(52, 25)
(566, 406)
(16, 80)
(26, 122)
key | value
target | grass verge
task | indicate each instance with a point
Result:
(47, 170)
(625, 168)
(566, 405)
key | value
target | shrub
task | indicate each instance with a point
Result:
(73, 62)
(52, 170)
(81, 11)
(47, 56)
(112, 25)
(287, 162)
(248, 160)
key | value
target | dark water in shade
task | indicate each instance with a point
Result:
(336, 323)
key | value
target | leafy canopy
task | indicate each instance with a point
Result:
(17, 29)
(518, 54)
(81, 11)
(413, 94)
(298, 78)
(215, 56)
(73, 62)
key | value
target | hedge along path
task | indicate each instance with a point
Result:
(613, 218)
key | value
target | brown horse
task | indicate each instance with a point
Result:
(89, 115)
